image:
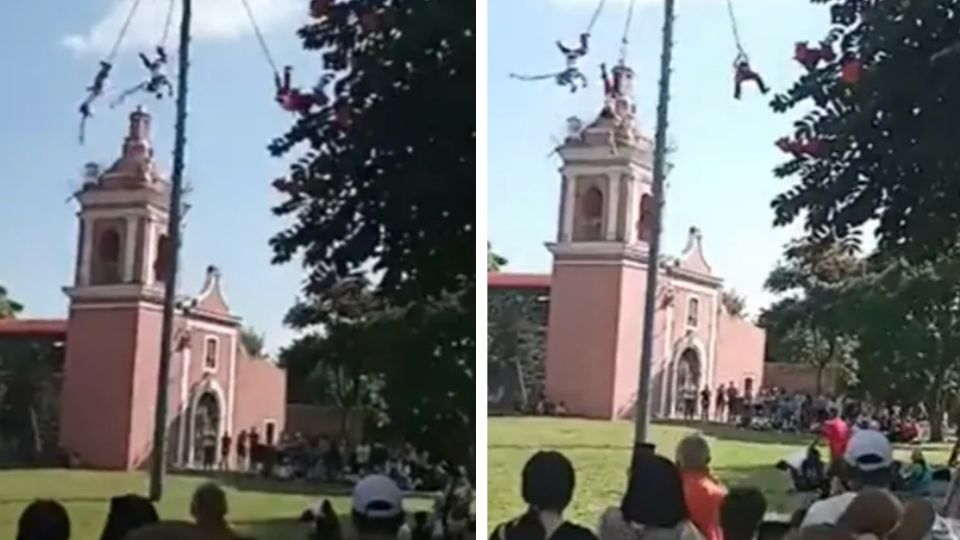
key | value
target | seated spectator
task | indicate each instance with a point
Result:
(918, 476)
(878, 513)
(209, 510)
(701, 492)
(741, 514)
(547, 485)
(653, 508)
(127, 514)
(377, 508)
(807, 473)
(44, 520)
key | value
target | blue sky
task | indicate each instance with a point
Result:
(722, 181)
(49, 53)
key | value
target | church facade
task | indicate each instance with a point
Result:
(111, 337)
(597, 286)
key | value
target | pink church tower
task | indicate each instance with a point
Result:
(600, 259)
(113, 332)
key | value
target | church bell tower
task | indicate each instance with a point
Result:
(113, 336)
(600, 259)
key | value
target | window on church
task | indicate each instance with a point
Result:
(590, 222)
(693, 312)
(161, 264)
(645, 223)
(107, 268)
(210, 351)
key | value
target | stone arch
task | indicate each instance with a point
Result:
(107, 257)
(207, 393)
(682, 373)
(589, 222)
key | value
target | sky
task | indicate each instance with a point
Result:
(49, 52)
(722, 181)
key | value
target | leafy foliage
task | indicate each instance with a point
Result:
(495, 262)
(386, 188)
(8, 307)
(253, 341)
(516, 344)
(883, 117)
(734, 303)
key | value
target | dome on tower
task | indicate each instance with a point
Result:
(135, 167)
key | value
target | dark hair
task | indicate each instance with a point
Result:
(548, 480)
(127, 514)
(741, 513)
(44, 520)
(654, 494)
(380, 526)
(880, 478)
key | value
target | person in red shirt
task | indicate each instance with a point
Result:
(702, 493)
(837, 434)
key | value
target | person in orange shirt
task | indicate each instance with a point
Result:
(702, 493)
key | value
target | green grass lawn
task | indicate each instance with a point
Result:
(264, 510)
(600, 452)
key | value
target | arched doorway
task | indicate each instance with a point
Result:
(206, 429)
(687, 382)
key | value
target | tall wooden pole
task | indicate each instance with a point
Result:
(173, 233)
(642, 418)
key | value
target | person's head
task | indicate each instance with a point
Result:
(832, 413)
(917, 456)
(127, 514)
(741, 513)
(873, 511)
(869, 458)
(693, 453)
(548, 481)
(377, 507)
(44, 520)
(209, 505)
(654, 494)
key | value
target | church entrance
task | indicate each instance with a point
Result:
(688, 383)
(206, 430)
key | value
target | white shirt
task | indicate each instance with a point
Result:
(828, 511)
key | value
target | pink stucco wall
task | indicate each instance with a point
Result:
(629, 333)
(96, 400)
(267, 382)
(582, 338)
(739, 352)
(144, 389)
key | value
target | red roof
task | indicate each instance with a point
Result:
(33, 327)
(500, 280)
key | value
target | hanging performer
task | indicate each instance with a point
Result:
(94, 91)
(572, 74)
(297, 101)
(810, 57)
(157, 81)
(744, 73)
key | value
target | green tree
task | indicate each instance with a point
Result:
(516, 344)
(387, 183)
(907, 320)
(734, 303)
(803, 325)
(252, 341)
(8, 307)
(880, 145)
(495, 262)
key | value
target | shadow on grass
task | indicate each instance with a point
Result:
(255, 483)
(727, 432)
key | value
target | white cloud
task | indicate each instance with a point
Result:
(213, 20)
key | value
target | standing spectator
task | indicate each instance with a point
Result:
(701, 492)
(44, 520)
(705, 403)
(547, 485)
(254, 449)
(721, 403)
(225, 442)
(209, 448)
(209, 510)
(689, 394)
(733, 403)
(837, 434)
(741, 513)
(242, 441)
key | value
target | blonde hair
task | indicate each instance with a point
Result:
(693, 453)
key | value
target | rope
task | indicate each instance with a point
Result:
(736, 31)
(123, 32)
(167, 24)
(596, 15)
(626, 32)
(263, 42)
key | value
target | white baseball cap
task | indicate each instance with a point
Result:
(869, 450)
(377, 496)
